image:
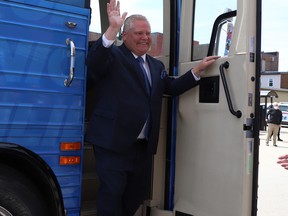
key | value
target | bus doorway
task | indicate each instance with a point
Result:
(207, 158)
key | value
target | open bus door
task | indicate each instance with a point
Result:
(212, 152)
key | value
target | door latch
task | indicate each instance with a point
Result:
(248, 127)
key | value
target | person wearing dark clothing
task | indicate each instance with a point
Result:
(124, 126)
(278, 135)
(274, 119)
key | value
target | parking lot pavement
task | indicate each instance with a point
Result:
(273, 179)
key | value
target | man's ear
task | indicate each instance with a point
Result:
(124, 35)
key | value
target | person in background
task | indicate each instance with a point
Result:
(278, 135)
(274, 119)
(124, 126)
(283, 161)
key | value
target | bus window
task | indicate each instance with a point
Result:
(95, 24)
(221, 36)
(203, 25)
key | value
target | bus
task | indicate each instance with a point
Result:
(207, 158)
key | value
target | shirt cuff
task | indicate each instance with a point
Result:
(195, 77)
(106, 43)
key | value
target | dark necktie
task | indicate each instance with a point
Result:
(147, 82)
(148, 86)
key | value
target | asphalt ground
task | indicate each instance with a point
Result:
(273, 179)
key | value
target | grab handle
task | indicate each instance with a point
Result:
(68, 81)
(237, 113)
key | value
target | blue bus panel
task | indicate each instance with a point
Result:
(78, 3)
(37, 111)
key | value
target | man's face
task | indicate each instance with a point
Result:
(138, 38)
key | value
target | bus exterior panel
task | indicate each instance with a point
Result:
(42, 45)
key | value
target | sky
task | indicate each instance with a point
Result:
(274, 22)
(275, 30)
(136, 7)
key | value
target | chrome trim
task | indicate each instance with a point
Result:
(68, 81)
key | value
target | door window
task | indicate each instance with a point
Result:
(206, 12)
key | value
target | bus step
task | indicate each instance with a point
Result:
(89, 208)
(89, 159)
(90, 182)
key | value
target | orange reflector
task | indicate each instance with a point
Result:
(69, 160)
(70, 146)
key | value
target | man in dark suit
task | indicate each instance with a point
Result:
(124, 126)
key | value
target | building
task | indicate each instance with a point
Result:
(271, 78)
(270, 61)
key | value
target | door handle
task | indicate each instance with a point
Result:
(68, 81)
(237, 113)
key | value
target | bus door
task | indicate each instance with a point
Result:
(214, 141)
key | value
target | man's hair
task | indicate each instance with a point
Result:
(128, 24)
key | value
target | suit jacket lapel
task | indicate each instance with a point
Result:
(134, 67)
(153, 73)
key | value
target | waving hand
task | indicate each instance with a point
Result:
(116, 21)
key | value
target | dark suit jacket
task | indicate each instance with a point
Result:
(122, 102)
